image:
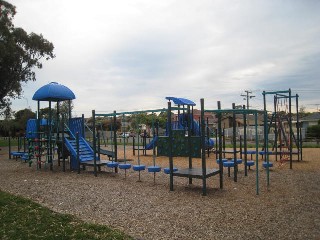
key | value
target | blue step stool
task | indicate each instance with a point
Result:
(112, 164)
(265, 164)
(167, 170)
(250, 163)
(124, 166)
(139, 167)
(239, 161)
(154, 169)
(223, 160)
(228, 164)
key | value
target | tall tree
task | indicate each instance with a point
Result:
(20, 53)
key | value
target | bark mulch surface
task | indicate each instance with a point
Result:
(288, 209)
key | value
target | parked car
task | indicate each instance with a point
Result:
(124, 135)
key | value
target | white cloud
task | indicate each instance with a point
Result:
(124, 55)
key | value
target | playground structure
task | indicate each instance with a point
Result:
(201, 143)
(286, 143)
(184, 137)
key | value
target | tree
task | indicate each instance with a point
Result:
(20, 53)
(22, 116)
(313, 132)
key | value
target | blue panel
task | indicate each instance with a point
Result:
(31, 128)
(53, 92)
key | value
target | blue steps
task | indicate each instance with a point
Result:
(85, 151)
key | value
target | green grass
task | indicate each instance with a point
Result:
(21, 218)
(5, 143)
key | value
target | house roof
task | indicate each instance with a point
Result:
(53, 92)
(312, 117)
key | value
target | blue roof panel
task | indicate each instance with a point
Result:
(181, 101)
(53, 92)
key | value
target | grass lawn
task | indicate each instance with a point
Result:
(5, 143)
(20, 218)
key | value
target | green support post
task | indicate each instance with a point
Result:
(245, 142)
(220, 145)
(170, 146)
(9, 143)
(203, 152)
(189, 142)
(257, 152)
(115, 139)
(94, 143)
(234, 141)
(78, 151)
(290, 129)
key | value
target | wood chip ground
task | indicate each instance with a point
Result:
(288, 209)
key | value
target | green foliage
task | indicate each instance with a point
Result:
(313, 132)
(16, 126)
(20, 52)
(21, 218)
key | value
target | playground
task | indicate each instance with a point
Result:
(289, 209)
(183, 184)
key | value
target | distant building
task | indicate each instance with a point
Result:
(310, 120)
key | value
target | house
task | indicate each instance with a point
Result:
(310, 120)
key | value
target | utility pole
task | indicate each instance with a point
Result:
(247, 96)
(317, 105)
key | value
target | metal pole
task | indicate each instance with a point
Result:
(94, 143)
(189, 142)
(234, 140)
(245, 142)
(257, 154)
(203, 150)
(78, 151)
(298, 127)
(49, 151)
(220, 146)
(62, 147)
(290, 126)
(170, 146)
(266, 147)
(276, 125)
(115, 139)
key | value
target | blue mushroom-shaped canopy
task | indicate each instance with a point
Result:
(53, 92)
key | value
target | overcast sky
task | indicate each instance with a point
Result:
(129, 55)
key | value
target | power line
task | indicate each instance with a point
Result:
(247, 96)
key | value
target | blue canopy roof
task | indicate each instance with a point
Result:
(181, 101)
(53, 92)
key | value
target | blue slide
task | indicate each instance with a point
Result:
(196, 128)
(154, 142)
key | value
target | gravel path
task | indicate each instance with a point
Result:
(289, 209)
